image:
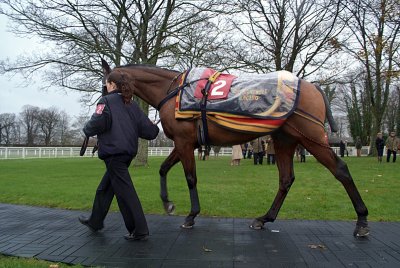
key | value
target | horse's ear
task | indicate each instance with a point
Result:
(106, 67)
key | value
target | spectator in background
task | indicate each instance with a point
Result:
(244, 149)
(392, 144)
(200, 152)
(207, 150)
(258, 150)
(358, 145)
(270, 151)
(302, 152)
(236, 155)
(249, 151)
(216, 150)
(342, 148)
(380, 145)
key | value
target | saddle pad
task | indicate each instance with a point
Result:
(254, 103)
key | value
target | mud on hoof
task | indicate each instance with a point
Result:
(169, 207)
(361, 231)
(257, 225)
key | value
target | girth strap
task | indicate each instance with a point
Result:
(203, 108)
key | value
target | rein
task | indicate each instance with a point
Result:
(175, 91)
(170, 94)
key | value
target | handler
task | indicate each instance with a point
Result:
(118, 123)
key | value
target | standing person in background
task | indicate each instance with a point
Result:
(206, 152)
(270, 151)
(358, 145)
(392, 144)
(342, 148)
(200, 152)
(302, 152)
(236, 155)
(380, 145)
(249, 151)
(118, 123)
(244, 149)
(216, 150)
(258, 150)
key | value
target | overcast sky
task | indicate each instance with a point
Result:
(13, 96)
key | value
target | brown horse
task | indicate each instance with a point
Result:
(153, 85)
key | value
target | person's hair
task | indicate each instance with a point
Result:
(121, 82)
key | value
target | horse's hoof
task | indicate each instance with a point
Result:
(169, 207)
(257, 225)
(187, 225)
(361, 231)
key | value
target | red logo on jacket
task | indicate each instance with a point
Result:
(100, 108)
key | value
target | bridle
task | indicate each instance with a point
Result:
(174, 92)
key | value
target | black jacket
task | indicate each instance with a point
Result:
(118, 126)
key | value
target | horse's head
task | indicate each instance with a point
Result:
(106, 71)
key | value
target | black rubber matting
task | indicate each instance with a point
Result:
(56, 235)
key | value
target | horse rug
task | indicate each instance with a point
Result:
(255, 103)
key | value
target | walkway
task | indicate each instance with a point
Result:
(56, 235)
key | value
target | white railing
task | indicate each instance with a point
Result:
(60, 152)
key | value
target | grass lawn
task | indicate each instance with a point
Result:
(12, 262)
(239, 191)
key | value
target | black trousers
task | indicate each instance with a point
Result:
(271, 159)
(117, 181)
(389, 152)
(258, 158)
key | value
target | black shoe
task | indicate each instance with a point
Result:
(133, 237)
(85, 221)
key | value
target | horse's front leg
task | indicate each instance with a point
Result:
(284, 152)
(168, 163)
(189, 166)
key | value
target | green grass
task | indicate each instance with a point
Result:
(239, 191)
(13, 262)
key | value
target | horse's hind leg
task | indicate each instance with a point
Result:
(168, 163)
(326, 156)
(284, 151)
(189, 166)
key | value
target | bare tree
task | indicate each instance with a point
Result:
(297, 36)
(64, 130)
(398, 110)
(80, 33)
(374, 31)
(357, 109)
(392, 111)
(48, 121)
(7, 124)
(30, 123)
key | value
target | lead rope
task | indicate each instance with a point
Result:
(155, 118)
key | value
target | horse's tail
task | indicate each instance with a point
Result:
(329, 116)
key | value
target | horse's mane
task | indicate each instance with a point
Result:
(148, 66)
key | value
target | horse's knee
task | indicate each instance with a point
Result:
(163, 170)
(342, 171)
(285, 184)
